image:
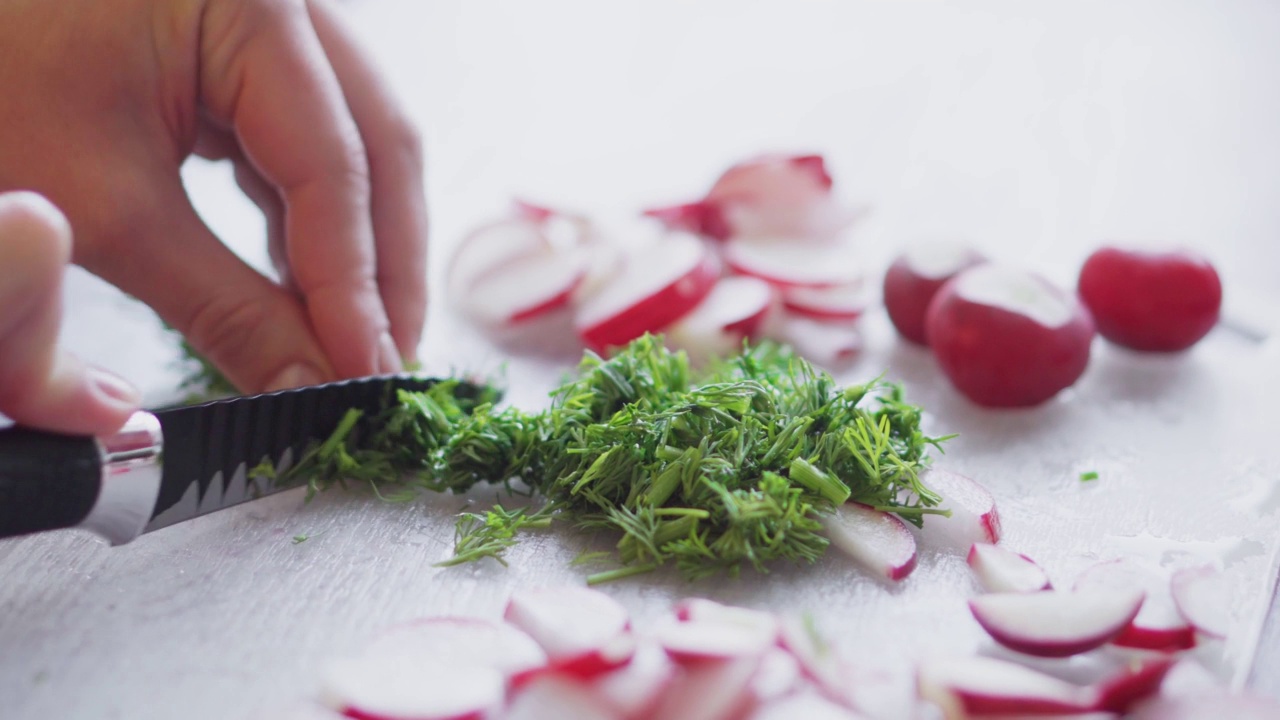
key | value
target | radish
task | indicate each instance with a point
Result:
(634, 690)
(1136, 682)
(777, 675)
(877, 540)
(1054, 623)
(973, 512)
(697, 609)
(821, 342)
(399, 687)
(712, 690)
(736, 308)
(583, 631)
(526, 287)
(657, 286)
(491, 246)
(817, 660)
(1159, 625)
(1001, 570)
(961, 687)
(555, 696)
(463, 640)
(1151, 301)
(713, 638)
(1213, 704)
(1200, 595)
(1008, 338)
(915, 277)
(701, 218)
(840, 302)
(805, 705)
(793, 264)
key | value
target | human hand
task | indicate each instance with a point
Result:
(104, 101)
(41, 386)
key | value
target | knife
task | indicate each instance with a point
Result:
(175, 464)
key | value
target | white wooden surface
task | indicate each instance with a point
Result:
(1036, 129)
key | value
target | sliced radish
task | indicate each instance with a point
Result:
(658, 285)
(877, 540)
(700, 218)
(555, 696)
(583, 631)
(1008, 338)
(1216, 704)
(805, 705)
(1001, 570)
(464, 640)
(973, 512)
(967, 686)
(777, 675)
(736, 308)
(840, 302)
(712, 690)
(1134, 683)
(396, 687)
(490, 246)
(1200, 594)
(713, 638)
(634, 690)
(817, 661)
(916, 276)
(821, 342)
(1056, 623)
(703, 609)
(795, 264)
(1152, 301)
(1159, 625)
(526, 287)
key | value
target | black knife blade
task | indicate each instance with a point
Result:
(177, 463)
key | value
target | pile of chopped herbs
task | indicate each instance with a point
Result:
(711, 471)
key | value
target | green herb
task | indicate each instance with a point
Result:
(1087, 476)
(709, 472)
(299, 539)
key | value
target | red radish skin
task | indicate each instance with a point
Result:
(1132, 684)
(655, 288)
(557, 696)
(463, 640)
(1008, 338)
(1200, 594)
(398, 687)
(1055, 623)
(1001, 570)
(1159, 625)
(980, 686)
(1151, 301)
(701, 218)
(915, 277)
(879, 541)
(584, 632)
(974, 517)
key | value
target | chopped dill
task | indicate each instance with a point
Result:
(711, 473)
(1088, 476)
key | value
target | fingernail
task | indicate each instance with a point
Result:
(117, 390)
(296, 375)
(388, 355)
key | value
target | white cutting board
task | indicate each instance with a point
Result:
(1034, 130)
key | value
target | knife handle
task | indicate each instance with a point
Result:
(50, 481)
(47, 481)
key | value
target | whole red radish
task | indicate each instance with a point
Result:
(1008, 338)
(1151, 301)
(915, 277)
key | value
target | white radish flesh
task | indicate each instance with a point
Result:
(491, 246)
(397, 687)
(877, 540)
(1159, 625)
(795, 263)
(1200, 594)
(555, 696)
(842, 302)
(916, 276)
(526, 287)
(465, 641)
(703, 609)
(583, 631)
(1132, 684)
(973, 686)
(973, 512)
(822, 342)
(1002, 570)
(657, 286)
(777, 675)
(736, 308)
(1056, 623)
(712, 690)
(713, 638)
(634, 690)
(805, 705)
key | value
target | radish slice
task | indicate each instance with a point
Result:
(1217, 704)
(554, 696)
(984, 686)
(702, 609)
(701, 218)
(1132, 684)
(916, 276)
(491, 246)
(817, 661)
(821, 342)
(526, 287)
(734, 309)
(1200, 594)
(583, 631)
(805, 705)
(634, 690)
(1055, 623)
(467, 641)
(841, 302)
(877, 540)
(397, 687)
(792, 263)
(712, 690)
(973, 512)
(1159, 625)
(1001, 570)
(657, 286)
(713, 638)
(777, 675)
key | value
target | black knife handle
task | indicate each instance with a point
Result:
(47, 481)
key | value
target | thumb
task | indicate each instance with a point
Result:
(40, 385)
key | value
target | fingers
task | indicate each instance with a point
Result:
(265, 73)
(398, 198)
(41, 386)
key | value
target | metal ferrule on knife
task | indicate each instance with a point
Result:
(131, 472)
